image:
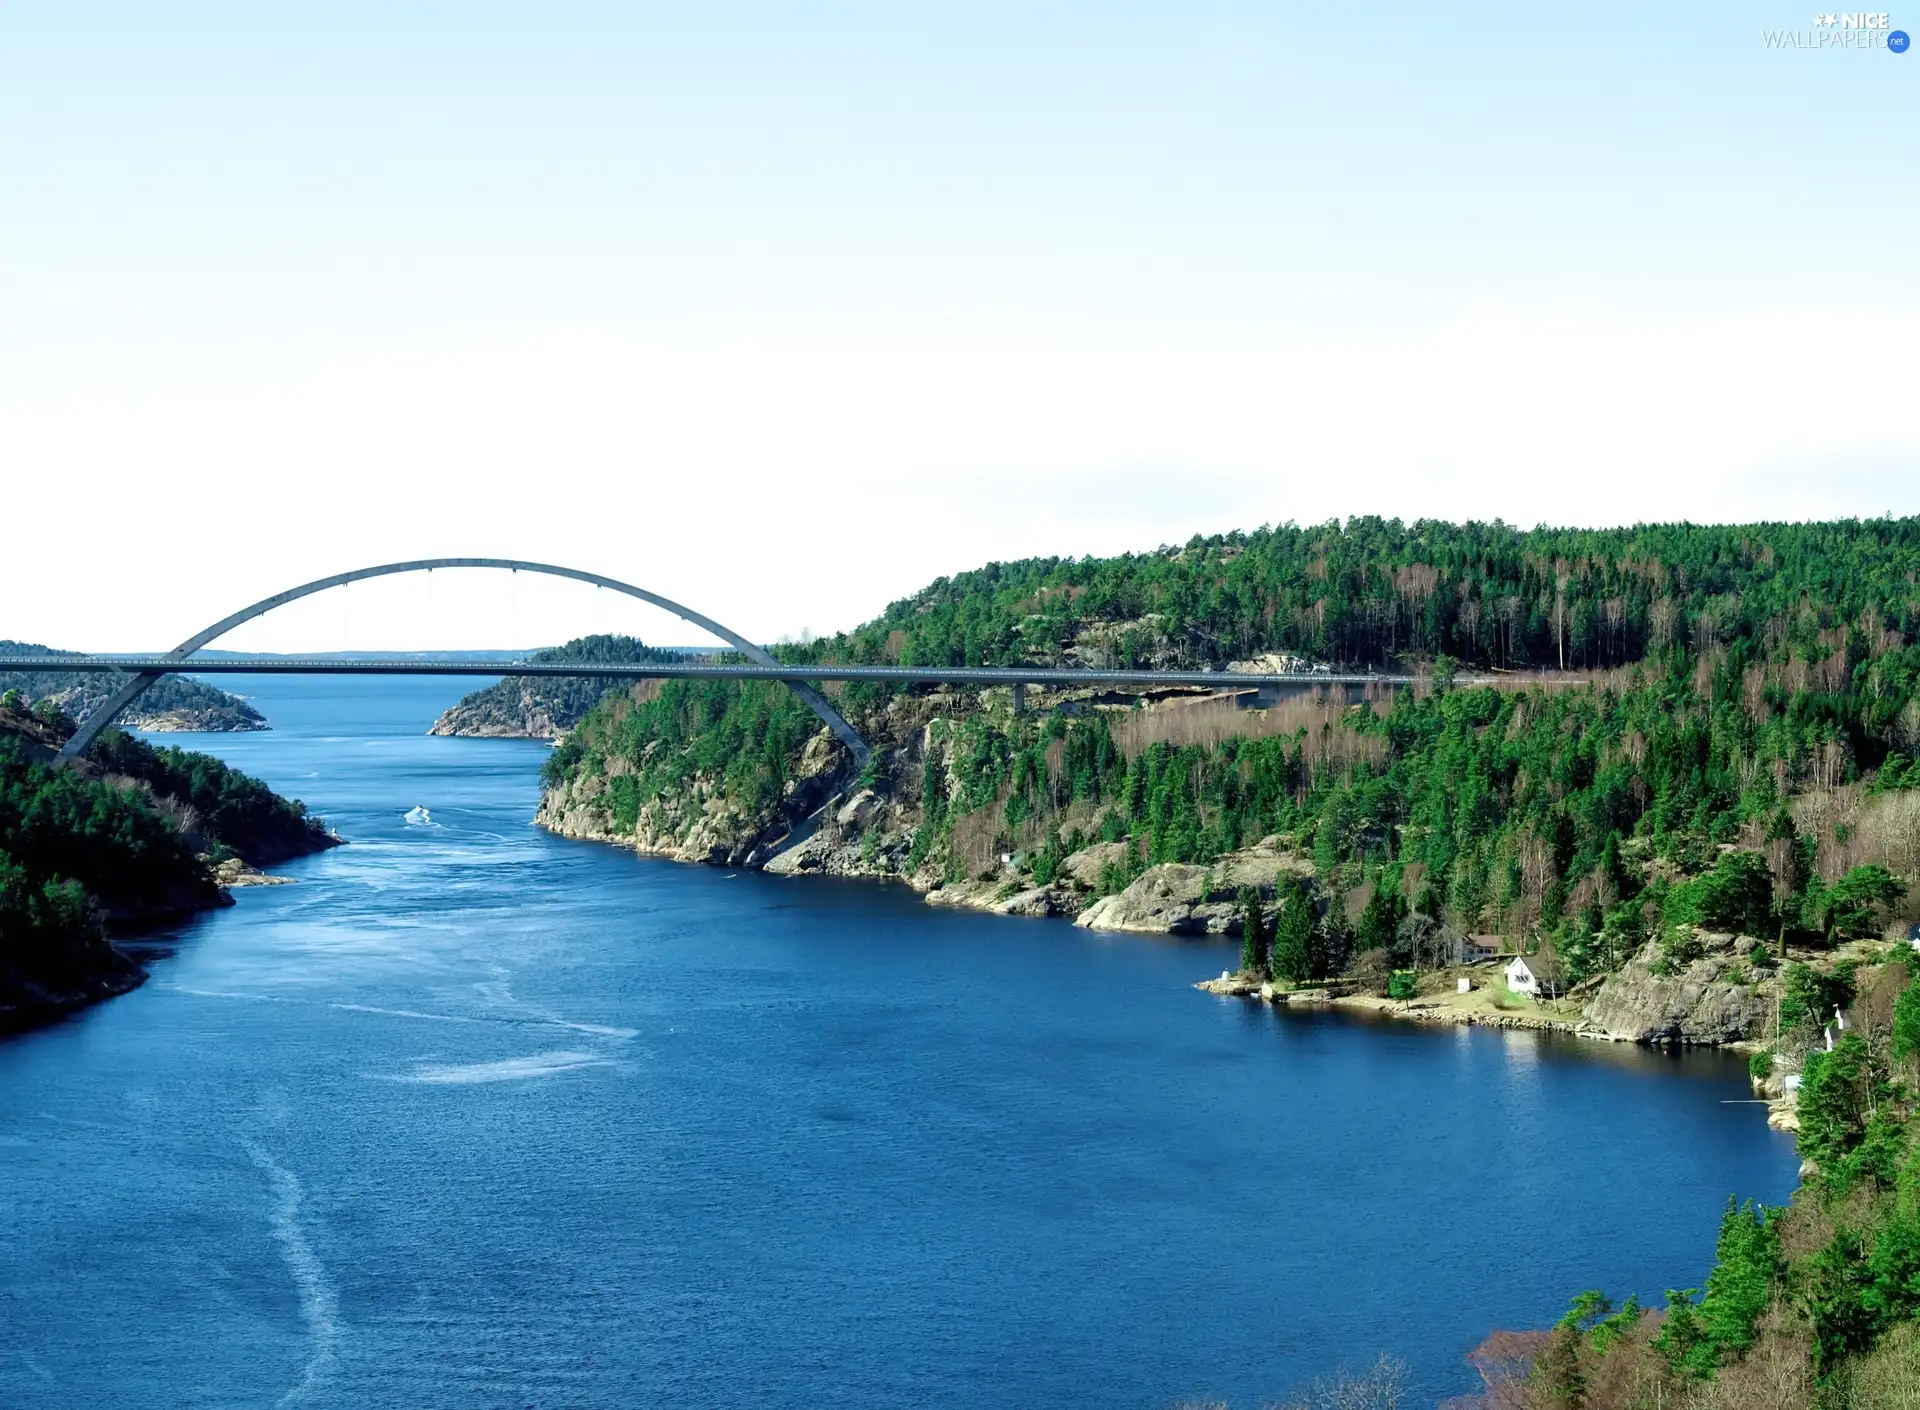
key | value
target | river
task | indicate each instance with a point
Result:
(473, 1116)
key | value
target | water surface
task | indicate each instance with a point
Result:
(474, 1117)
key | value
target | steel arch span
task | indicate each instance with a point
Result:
(90, 729)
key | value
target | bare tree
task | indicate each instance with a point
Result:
(1549, 969)
(1504, 1361)
(1661, 619)
(1382, 1386)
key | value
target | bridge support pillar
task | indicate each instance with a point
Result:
(1019, 698)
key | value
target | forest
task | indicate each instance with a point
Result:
(1377, 592)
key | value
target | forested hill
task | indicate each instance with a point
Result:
(170, 703)
(1376, 592)
(1749, 688)
(545, 707)
(126, 837)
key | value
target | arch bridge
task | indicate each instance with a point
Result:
(144, 674)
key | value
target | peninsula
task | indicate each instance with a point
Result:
(124, 839)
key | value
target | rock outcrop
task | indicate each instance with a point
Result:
(1712, 1001)
(1176, 898)
(700, 823)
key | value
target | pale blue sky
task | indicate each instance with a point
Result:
(229, 239)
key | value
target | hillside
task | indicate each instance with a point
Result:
(172, 703)
(126, 838)
(544, 707)
(1744, 693)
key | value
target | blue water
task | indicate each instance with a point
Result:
(474, 1117)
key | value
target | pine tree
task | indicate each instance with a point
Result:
(1255, 943)
(1292, 958)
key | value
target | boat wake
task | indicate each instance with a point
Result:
(517, 1069)
(319, 1304)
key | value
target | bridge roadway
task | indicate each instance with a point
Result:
(700, 670)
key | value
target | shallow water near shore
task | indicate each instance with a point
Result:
(475, 1116)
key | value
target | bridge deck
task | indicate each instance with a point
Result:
(697, 670)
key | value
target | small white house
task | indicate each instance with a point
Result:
(1520, 977)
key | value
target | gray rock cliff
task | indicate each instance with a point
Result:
(1714, 1000)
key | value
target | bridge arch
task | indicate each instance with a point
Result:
(90, 728)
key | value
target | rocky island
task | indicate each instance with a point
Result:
(543, 707)
(172, 704)
(126, 838)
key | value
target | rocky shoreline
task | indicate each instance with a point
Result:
(1426, 1009)
(821, 831)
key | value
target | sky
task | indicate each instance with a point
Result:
(784, 311)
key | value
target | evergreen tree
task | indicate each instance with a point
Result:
(1835, 1102)
(1854, 907)
(1292, 959)
(1558, 1374)
(1380, 919)
(1747, 1265)
(1254, 938)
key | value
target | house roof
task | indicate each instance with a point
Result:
(1520, 962)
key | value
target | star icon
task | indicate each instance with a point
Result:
(1827, 21)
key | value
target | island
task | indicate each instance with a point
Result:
(543, 707)
(172, 704)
